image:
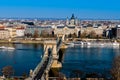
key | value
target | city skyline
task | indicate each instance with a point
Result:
(103, 9)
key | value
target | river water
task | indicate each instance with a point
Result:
(22, 59)
(27, 56)
(89, 60)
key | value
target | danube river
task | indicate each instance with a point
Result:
(22, 59)
(27, 56)
(89, 60)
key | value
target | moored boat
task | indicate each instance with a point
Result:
(8, 48)
(115, 43)
(78, 43)
(87, 43)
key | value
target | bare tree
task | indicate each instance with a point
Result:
(53, 33)
(84, 34)
(36, 34)
(8, 71)
(44, 34)
(92, 34)
(74, 35)
(70, 35)
(76, 74)
(115, 71)
(24, 75)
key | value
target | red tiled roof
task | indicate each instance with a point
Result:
(21, 28)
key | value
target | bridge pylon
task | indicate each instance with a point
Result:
(52, 45)
(61, 36)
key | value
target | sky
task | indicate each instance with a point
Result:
(99, 9)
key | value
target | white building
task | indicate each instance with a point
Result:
(20, 32)
(70, 28)
(4, 34)
(72, 22)
(117, 31)
(12, 31)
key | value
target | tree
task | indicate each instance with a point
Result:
(92, 34)
(76, 74)
(8, 71)
(84, 34)
(44, 34)
(52, 33)
(36, 34)
(115, 71)
(28, 35)
(24, 75)
(74, 35)
(79, 34)
(70, 35)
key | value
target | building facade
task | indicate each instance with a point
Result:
(20, 32)
(117, 31)
(66, 30)
(4, 34)
(70, 28)
(72, 21)
(12, 31)
(32, 29)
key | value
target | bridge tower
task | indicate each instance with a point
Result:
(61, 36)
(52, 45)
(49, 60)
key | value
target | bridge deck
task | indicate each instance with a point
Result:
(41, 71)
(46, 64)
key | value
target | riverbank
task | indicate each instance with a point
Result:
(68, 40)
(87, 39)
(41, 40)
(21, 41)
(27, 40)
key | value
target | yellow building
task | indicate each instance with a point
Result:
(4, 34)
(66, 30)
(7, 32)
(12, 32)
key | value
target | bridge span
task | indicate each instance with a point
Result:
(49, 60)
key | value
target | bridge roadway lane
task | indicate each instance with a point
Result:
(41, 71)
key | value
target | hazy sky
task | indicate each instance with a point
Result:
(60, 8)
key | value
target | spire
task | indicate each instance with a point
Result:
(67, 21)
(76, 21)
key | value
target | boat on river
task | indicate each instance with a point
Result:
(7, 48)
(70, 44)
(87, 43)
(78, 43)
(115, 44)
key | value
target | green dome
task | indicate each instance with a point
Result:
(73, 17)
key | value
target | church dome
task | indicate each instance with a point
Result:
(73, 17)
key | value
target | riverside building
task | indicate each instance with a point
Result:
(4, 34)
(69, 28)
(118, 31)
